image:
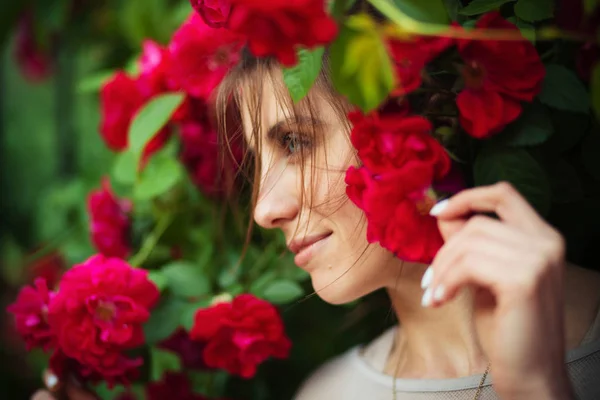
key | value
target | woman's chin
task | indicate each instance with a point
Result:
(336, 291)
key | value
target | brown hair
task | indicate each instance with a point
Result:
(242, 92)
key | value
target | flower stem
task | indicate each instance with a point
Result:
(150, 243)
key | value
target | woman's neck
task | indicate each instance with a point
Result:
(433, 342)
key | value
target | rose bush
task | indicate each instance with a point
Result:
(473, 88)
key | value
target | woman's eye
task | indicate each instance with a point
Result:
(293, 143)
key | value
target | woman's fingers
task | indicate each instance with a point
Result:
(42, 395)
(501, 199)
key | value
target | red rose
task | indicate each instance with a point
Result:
(109, 223)
(277, 27)
(153, 64)
(31, 315)
(120, 99)
(240, 335)
(397, 205)
(173, 385)
(498, 76)
(33, 60)
(200, 154)
(190, 351)
(122, 372)
(410, 57)
(201, 56)
(98, 313)
(49, 267)
(386, 142)
(214, 12)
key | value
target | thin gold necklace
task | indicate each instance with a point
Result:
(477, 393)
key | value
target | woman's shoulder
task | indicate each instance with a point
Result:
(346, 372)
(329, 379)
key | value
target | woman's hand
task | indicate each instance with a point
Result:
(57, 390)
(515, 264)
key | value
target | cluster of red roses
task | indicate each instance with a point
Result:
(195, 62)
(401, 160)
(90, 323)
(98, 313)
(271, 28)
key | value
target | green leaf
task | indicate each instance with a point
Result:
(162, 361)
(595, 89)
(431, 11)
(477, 7)
(300, 78)
(569, 128)
(337, 8)
(533, 127)
(452, 8)
(188, 314)
(590, 6)
(495, 164)
(259, 284)
(527, 30)
(160, 175)
(361, 68)
(564, 182)
(563, 90)
(158, 278)
(164, 320)
(186, 279)
(534, 10)
(94, 83)
(151, 119)
(589, 152)
(125, 168)
(282, 291)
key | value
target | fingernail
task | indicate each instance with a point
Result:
(50, 380)
(427, 278)
(439, 293)
(438, 208)
(426, 300)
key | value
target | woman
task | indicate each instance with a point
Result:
(499, 313)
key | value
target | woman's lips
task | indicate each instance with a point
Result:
(306, 247)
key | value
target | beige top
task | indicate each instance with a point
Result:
(358, 375)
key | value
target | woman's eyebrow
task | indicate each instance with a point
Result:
(274, 130)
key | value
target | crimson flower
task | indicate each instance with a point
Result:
(120, 99)
(109, 222)
(396, 205)
(98, 313)
(201, 56)
(214, 12)
(190, 351)
(153, 64)
(123, 372)
(173, 385)
(31, 315)
(410, 55)
(401, 162)
(49, 267)
(34, 61)
(498, 76)
(391, 141)
(241, 334)
(277, 27)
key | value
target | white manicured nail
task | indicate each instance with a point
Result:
(427, 278)
(438, 208)
(51, 381)
(427, 297)
(439, 293)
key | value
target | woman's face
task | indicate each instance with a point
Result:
(302, 192)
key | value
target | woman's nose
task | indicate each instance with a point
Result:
(278, 201)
